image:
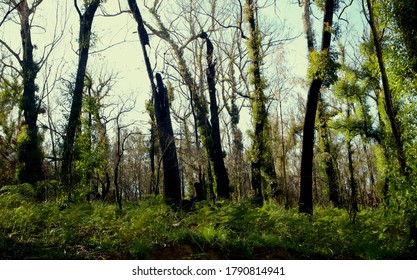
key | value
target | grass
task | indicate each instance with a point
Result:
(150, 229)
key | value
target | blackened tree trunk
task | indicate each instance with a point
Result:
(306, 183)
(199, 104)
(86, 22)
(29, 150)
(222, 178)
(172, 181)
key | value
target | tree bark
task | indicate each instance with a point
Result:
(30, 154)
(261, 157)
(222, 178)
(306, 183)
(198, 104)
(86, 22)
(172, 182)
(329, 156)
(389, 106)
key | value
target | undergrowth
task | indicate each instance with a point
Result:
(145, 229)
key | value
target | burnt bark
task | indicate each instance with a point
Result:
(306, 183)
(216, 152)
(86, 22)
(172, 181)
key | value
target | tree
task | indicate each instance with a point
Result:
(318, 73)
(198, 101)
(10, 93)
(120, 146)
(222, 178)
(405, 15)
(329, 153)
(389, 105)
(84, 41)
(172, 183)
(262, 165)
(29, 146)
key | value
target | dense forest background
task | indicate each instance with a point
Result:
(266, 129)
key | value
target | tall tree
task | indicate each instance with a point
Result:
(29, 146)
(405, 15)
(217, 157)
(172, 182)
(199, 103)
(84, 41)
(318, 77)
(262, 164)
(389, 104)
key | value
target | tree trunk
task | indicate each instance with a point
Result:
(119, 154)
(172, 182)
(86, 21)
(306, 183)
(29, 151)
(352, 180)
(389, 106)
(222, 178)
(329, 156)
(262, 164)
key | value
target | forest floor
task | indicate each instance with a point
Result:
(149, 229)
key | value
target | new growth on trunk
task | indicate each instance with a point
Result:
(306, 183)
(86, 23)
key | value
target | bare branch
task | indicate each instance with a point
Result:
(9, 12)
(77, 8)
(344, 8)
(228, 26)
(34, 6)
(16, 55)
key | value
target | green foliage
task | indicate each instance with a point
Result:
(26, 190)
(28, 150)
(234, 230)
(323, 65)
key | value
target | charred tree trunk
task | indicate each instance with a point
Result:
(152, 152)
(199, 104)
(306, 183)
(172, 182)
(86, 22)
(222, 178)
